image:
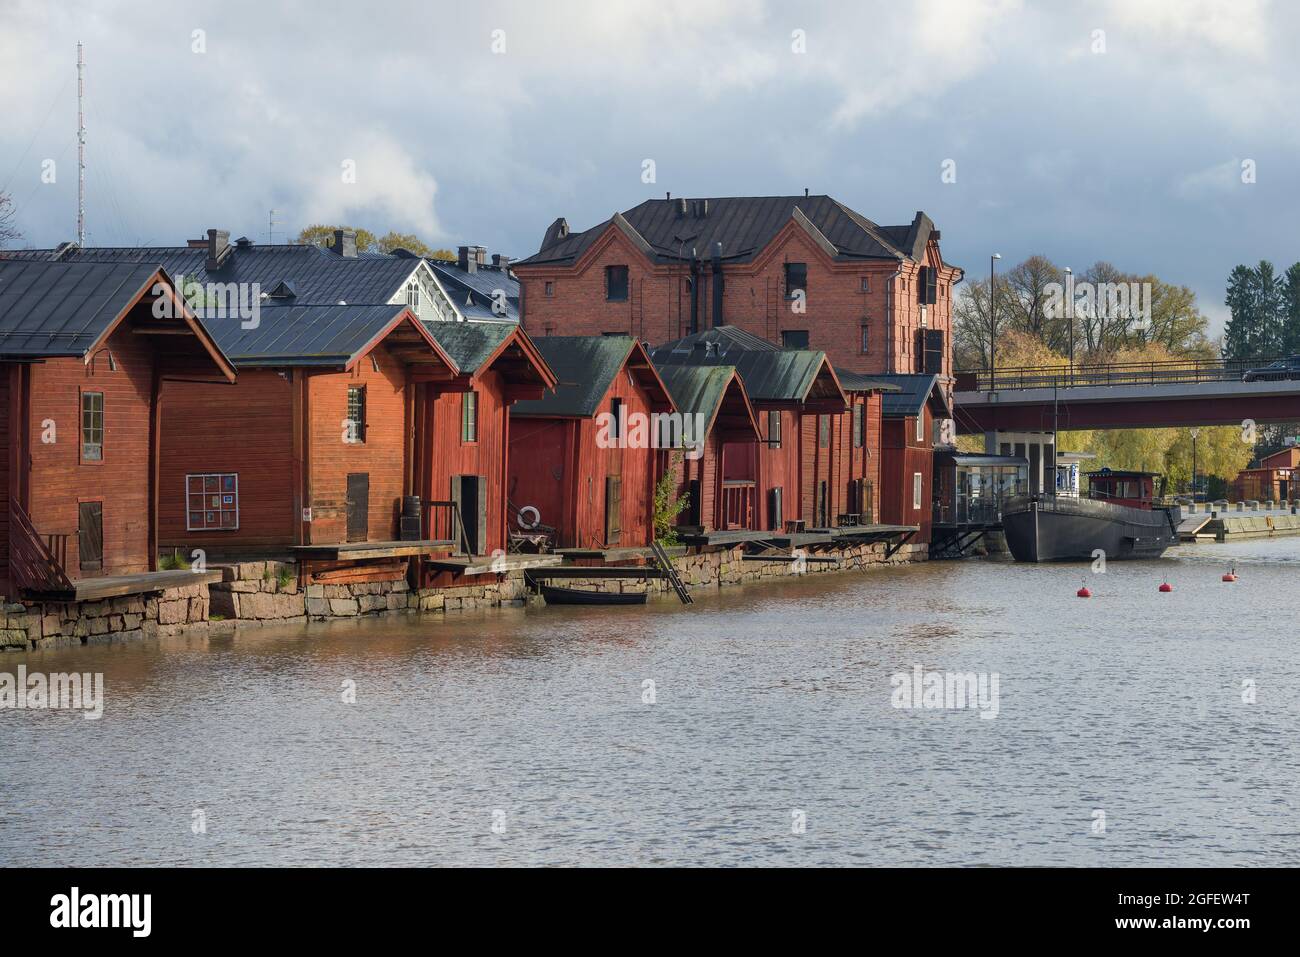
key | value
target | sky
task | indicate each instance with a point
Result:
(1117, 131)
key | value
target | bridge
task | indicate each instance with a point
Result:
(1183, 392)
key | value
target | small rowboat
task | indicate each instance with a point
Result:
(555, 595)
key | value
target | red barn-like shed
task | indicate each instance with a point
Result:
(84, 350)
(583, 457)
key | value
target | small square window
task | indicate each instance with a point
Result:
(794, 339)
(212, 501)
(616, 283)
(550, 289)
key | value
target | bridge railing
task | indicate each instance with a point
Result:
(1170, 372)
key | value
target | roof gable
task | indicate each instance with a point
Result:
(585, 367)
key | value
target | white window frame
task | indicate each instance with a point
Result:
(916, 490)
(920, 426)
(188, 510)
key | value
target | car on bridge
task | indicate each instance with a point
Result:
(1288, 368)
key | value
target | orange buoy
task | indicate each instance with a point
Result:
(1166, 587)
(1231, 574)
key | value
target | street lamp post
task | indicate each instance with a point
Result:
(993, 324)
(1194, 433)
(1069, 314)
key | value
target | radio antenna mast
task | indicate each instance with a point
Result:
(81, 146)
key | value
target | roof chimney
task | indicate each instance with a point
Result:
(501, 262)
(467, 258)
(555, 232)
(717, 284)
(345, 243)
(218, 248)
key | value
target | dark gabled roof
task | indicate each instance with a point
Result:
(52, 309)
(473, 345)
(857, 382)
(914, 392)
(324, 336)
(316, 275)
(584, 367)
(770, 374)
(669, 229)
(474, 293)
(61, 309)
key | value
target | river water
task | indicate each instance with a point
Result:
(1124, 734)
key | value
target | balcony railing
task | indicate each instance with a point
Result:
(1170, 372)
(737, 504)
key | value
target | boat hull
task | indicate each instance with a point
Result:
(1064, 530)
(555, 595)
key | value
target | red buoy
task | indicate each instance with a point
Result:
(1166, 587)
(1231, 574)
(1083, 592)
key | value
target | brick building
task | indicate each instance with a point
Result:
(797, 271)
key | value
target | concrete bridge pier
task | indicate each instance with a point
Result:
(1038, 447)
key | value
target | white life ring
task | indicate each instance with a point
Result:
(536, 520)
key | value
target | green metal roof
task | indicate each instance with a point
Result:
(471, 344)
(585, 367)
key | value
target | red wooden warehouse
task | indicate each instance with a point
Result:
(818, 461)
(716, 459)
(84, 350)
(313, 446)
(462, 427)
(582, 459)
(909, 440)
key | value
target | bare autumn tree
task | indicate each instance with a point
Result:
(8, 231)
(973, 327)
(1029, 298)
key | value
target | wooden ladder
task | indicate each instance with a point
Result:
(665, 565)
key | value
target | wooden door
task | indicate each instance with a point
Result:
(613, 509)
(358, 506)
(90, 536)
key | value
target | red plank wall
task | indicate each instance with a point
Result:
(451, 455)
(246, 428)
(381, 455)
(60, 480)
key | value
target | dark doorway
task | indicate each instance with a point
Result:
(358, 506)
(613, 509)
(469, 492)
(819, 507)
(90, 536)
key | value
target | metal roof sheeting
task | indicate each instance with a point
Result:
(585, 367)
(301, 335)
(770, 374)
(697, 390)
(473, 294)
(316, 275)
(745, 225)
(471, 344)
(914, 392)
(52, 309)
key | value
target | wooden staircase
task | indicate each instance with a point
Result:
(665, 565)
(36, 564)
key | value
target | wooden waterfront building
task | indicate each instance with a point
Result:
(86, 352)
(582, 459)
(312, 446)
(818, 458)
(909, 438)
(715, 453)
(462, 427)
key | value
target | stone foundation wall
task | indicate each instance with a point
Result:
(27, 627)
(269, 593)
